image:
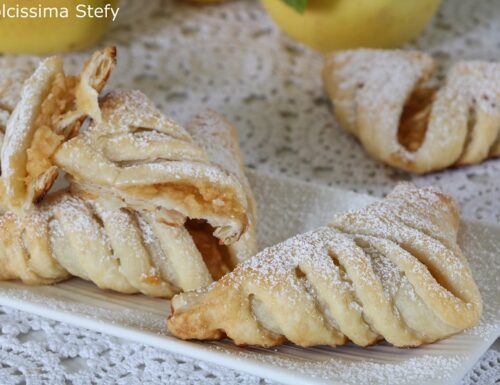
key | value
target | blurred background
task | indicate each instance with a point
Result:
(247, 60)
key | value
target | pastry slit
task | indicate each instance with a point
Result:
(421, 230)
(5, 107)
(157, 254)
(321, 306)
(299, 274)
(345, 278)
(471, 124)
(151, 261)
(25, 255)
(341, 268)
(434, 271)
(415, 118)
(263, 317)
(102, 230)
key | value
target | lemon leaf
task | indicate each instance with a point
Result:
(298, 5)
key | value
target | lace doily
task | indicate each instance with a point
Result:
(233, 59)
(36, 351)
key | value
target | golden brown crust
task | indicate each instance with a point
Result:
(92, 233)
(98, 240)
(390, 271)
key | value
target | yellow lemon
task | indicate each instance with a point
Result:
(204, 2)
(329, 25)
(47, 26)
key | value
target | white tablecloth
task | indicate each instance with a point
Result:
(233, 59)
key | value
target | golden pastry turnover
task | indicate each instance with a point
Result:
(151, 207)
(387, 100)
(114, 247)
(92, 234)
(151, 163)
(392, 271)
(50, 109)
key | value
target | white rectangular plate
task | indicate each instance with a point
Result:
(287, 207)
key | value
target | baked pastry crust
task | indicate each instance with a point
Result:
(171, 214)
(92, 234)
(50, 110)
(148, 161)
(390, 271)
(384, 98)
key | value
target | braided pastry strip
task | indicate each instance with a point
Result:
(383, 98)
(390, 271)
(50, 110)
(148, 161)
(114, 247)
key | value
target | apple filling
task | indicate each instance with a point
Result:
(415, 118)
(215, 255)
(48, 135)
(199, 201)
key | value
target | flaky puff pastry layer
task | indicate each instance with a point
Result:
(392, 271)
(13, 74)
(91, 234)
(384, 98)
(50, 110)
(150, 162)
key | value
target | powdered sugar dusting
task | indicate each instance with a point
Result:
(125, 110)
(371, 250)
(363, 78)
(370, 89)
(351, 371)
(155, 155)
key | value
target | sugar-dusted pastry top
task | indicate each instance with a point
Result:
(384, 98)
(391, 271)
(50, 109)
(150, 162)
